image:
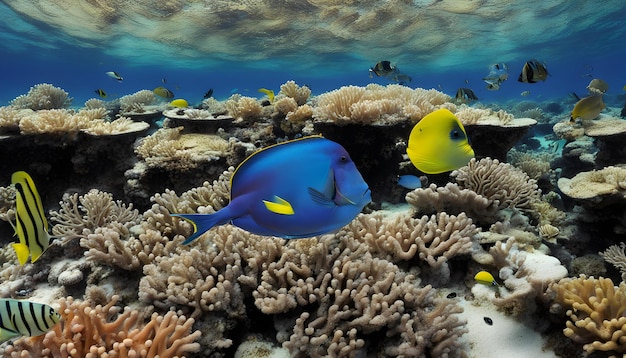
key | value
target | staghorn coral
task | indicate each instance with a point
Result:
(616, 255)
(105, 246)
(453, 200)
(81, 215)
(43, 96)
(596, 312)
(299, 93)
(109, 331)
(498, 181)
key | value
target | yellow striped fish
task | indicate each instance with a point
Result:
(31, 225)
(25, 318)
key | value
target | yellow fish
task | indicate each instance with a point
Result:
(438, 143)
(588, 108)
(180, 103)
(163, 92)
(25, 318)
(485, 278)
(31, 225)
(269, 93)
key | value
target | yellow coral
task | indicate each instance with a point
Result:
(596, 311)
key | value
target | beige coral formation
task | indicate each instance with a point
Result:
(170, 148)
(595, 309)
(498, 182)
(597, 187)
(87, 331)
(43, 96)
(243, 108)
(373, 103)
(137, 102)
(11, 116)
(616, 256)
(300, 94)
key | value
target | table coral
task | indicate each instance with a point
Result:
(596, 312)
(596, 188)
(89, 332)
(494, 180)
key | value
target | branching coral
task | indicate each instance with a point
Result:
(102, 331)
(435, 239)
(43, 96)
(11, 116)
(596, 312)
(299, 93)
(365, 105)
(79, 216)
(243, 108)
(137, 101)
(616, 255)
(53, 121)
(498, 181)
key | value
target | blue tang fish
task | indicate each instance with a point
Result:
(296, 189)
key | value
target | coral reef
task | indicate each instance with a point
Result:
(43, 96)
(498, 182)
(595, 311)
(86, 331)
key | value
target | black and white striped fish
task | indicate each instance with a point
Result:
(25, 318)
(31, 225)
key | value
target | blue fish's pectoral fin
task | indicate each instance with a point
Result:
(22, 252)
(203, 222)
(321, 198)
(279, 205)
(341, 199)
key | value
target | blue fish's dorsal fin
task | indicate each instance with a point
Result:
(279, 205)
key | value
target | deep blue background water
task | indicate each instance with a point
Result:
(28, 58)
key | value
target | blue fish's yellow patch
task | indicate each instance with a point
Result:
(269, 93)
(485, 278)
(296, 189)
(438, 143)
(179, 103)
(31, 225)
(25, 318)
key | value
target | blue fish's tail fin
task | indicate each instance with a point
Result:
(201, 223)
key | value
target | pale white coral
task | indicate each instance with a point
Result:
(299, 93)
(137, 101)
(53, 121)
(243, 108)
(11, 116)
(43, 96)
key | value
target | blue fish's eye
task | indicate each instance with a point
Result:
(343, 159)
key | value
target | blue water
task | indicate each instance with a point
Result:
(34, 52)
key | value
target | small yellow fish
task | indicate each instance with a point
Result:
(438, 143)
(101, 93)
(115, 75)
(179, 103)
(269, 93)
(163, 92)
(31, 225)
(624, 88)
(485, 278)
(25, 318)
(524, 93)
(588, 108)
